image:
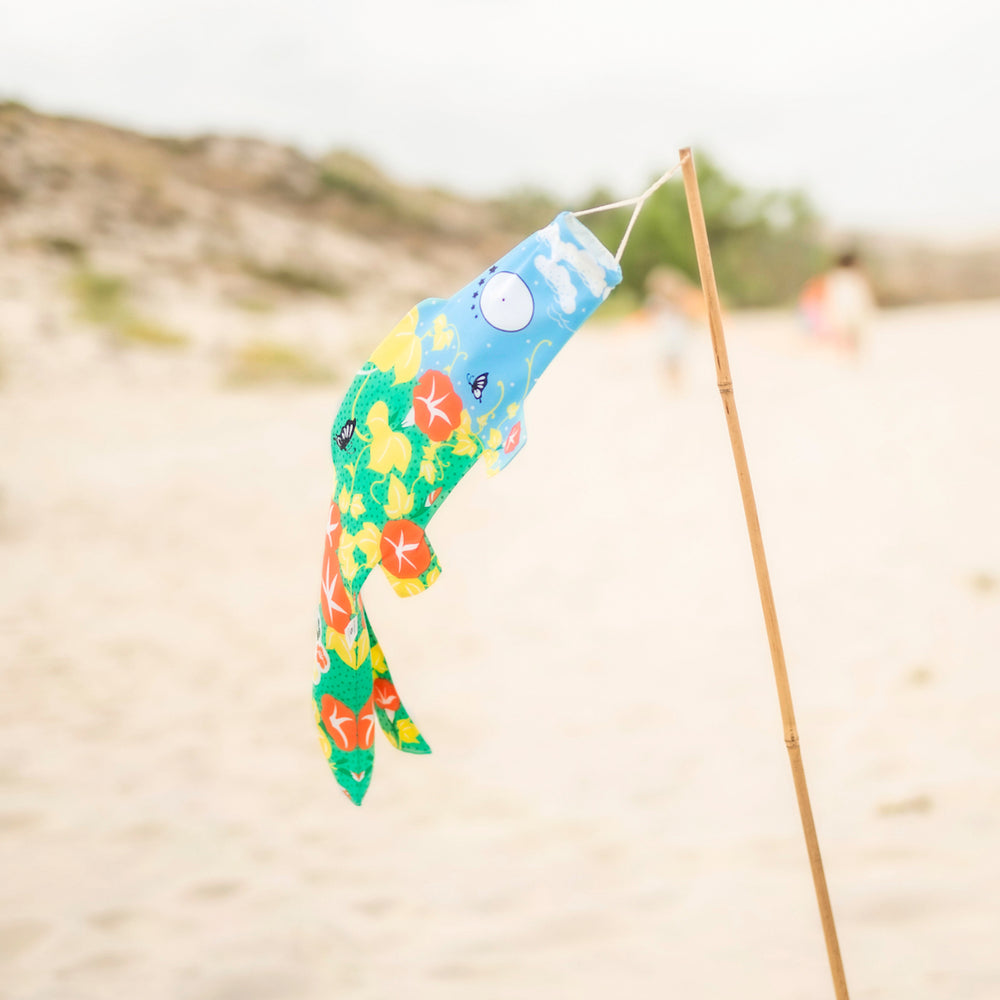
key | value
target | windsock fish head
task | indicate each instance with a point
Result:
(518, 314)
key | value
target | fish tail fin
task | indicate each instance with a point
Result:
(354, 783)
(346, 737)
(344, 705)
(392, 715)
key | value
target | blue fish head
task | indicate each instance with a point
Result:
(517, 315)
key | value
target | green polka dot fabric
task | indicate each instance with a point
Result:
(445, 387)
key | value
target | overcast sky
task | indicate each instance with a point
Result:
(886, 113)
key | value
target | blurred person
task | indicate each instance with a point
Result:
(672, 307)
(838, 306)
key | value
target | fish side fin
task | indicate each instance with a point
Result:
(395, 721)
(408, 586)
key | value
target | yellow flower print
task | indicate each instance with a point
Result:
(400, 503)
(428, 467)
(389, 449)
(404, 588)
(353, 505)
(490, 458)
(400, 350)
(362, 647)
(464, 445)
(512, 410)
(443, 332)
(367, 539)
(495, 439)
(463, 441)
(324, 745)
(378, 659)
(408, 732)
(345, 555)
(354, 655)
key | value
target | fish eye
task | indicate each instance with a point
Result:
(506, 302)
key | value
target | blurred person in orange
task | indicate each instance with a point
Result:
(838, 307)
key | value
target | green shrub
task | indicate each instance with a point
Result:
(376, 202)
(145, 332)
(265, 361)
(357, 187)
(253, 304)
(63, 246)
(103, 299)
(526, 209)
(100, 298)
(293, 279)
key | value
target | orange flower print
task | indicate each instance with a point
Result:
(366, 725)
(340, 722)
(513, 438)
(437, 407)
(404, 549)
(335, 605)
(333, 530)
(432, 497)
(322, 659)
(385, 695)
(334, 601)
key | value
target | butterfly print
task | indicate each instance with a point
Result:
(345, 434)
(477, 384)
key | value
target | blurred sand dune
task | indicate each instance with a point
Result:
(608, 809)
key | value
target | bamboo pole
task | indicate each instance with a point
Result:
(760, 565)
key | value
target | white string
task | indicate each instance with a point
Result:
(638, 201)
(604, 208)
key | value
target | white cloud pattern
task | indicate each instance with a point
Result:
(559, 281)
(583, 261)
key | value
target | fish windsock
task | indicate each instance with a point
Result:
(445, 387)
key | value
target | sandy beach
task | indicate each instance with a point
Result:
(608, 809)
